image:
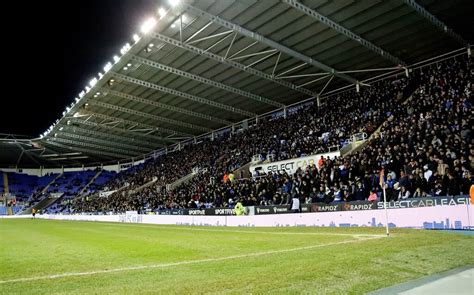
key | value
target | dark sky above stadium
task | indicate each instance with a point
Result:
(53, 48)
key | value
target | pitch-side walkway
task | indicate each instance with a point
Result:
(456, 281)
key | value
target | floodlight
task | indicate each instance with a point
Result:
(162, 12)
(93, 82)
(148, 25)
(174, 2)
(107, 67)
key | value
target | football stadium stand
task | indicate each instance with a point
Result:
(422, 145)
(218, 109)
(416, 130)
(245, 146)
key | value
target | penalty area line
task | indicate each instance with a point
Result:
(180, 263)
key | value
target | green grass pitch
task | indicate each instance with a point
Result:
(69, 257)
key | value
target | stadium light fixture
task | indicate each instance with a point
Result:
(125, 68)
(148, 25)
(93, 82)
(125, 49)
(161, 12)
(174, 2)
(116, 59)
(136, 38)
(107, 67)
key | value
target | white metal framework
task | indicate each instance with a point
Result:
(205, 66)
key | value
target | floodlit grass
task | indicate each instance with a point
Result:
(182, 260)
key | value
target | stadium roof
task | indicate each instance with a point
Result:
(201, 65)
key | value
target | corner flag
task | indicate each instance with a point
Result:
(381, 177)
(382, 185)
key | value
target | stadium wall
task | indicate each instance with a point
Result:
(436, 217)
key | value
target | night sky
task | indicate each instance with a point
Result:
(51, 49)
(58, 48)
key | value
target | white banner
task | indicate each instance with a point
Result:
(130, 216)
(106, 194)
(291, 165)
(436, 217)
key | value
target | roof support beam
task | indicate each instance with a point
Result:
(60, 155)
(243, 31)
(255, 54)
(232, 57)
(118, 141)
(315, 80)
(96, 143)
(23, 151)
(224, 60)
(130, 135)
(185, 95)
(207, 81)
(295, 68)
(65, 144)
(165, 106)
(346, 32)
(210, 37)
(218, 42)
(198, 32)
(89, 148)
(435, 21)
(326, 85)
(149, 116)
(262, 59)
(141, 125)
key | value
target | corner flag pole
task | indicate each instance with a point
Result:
(382, 183)
(386, 212)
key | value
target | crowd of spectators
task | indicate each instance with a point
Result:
(423, 145)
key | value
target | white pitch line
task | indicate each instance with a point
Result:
(195, 228)
(179, 263)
